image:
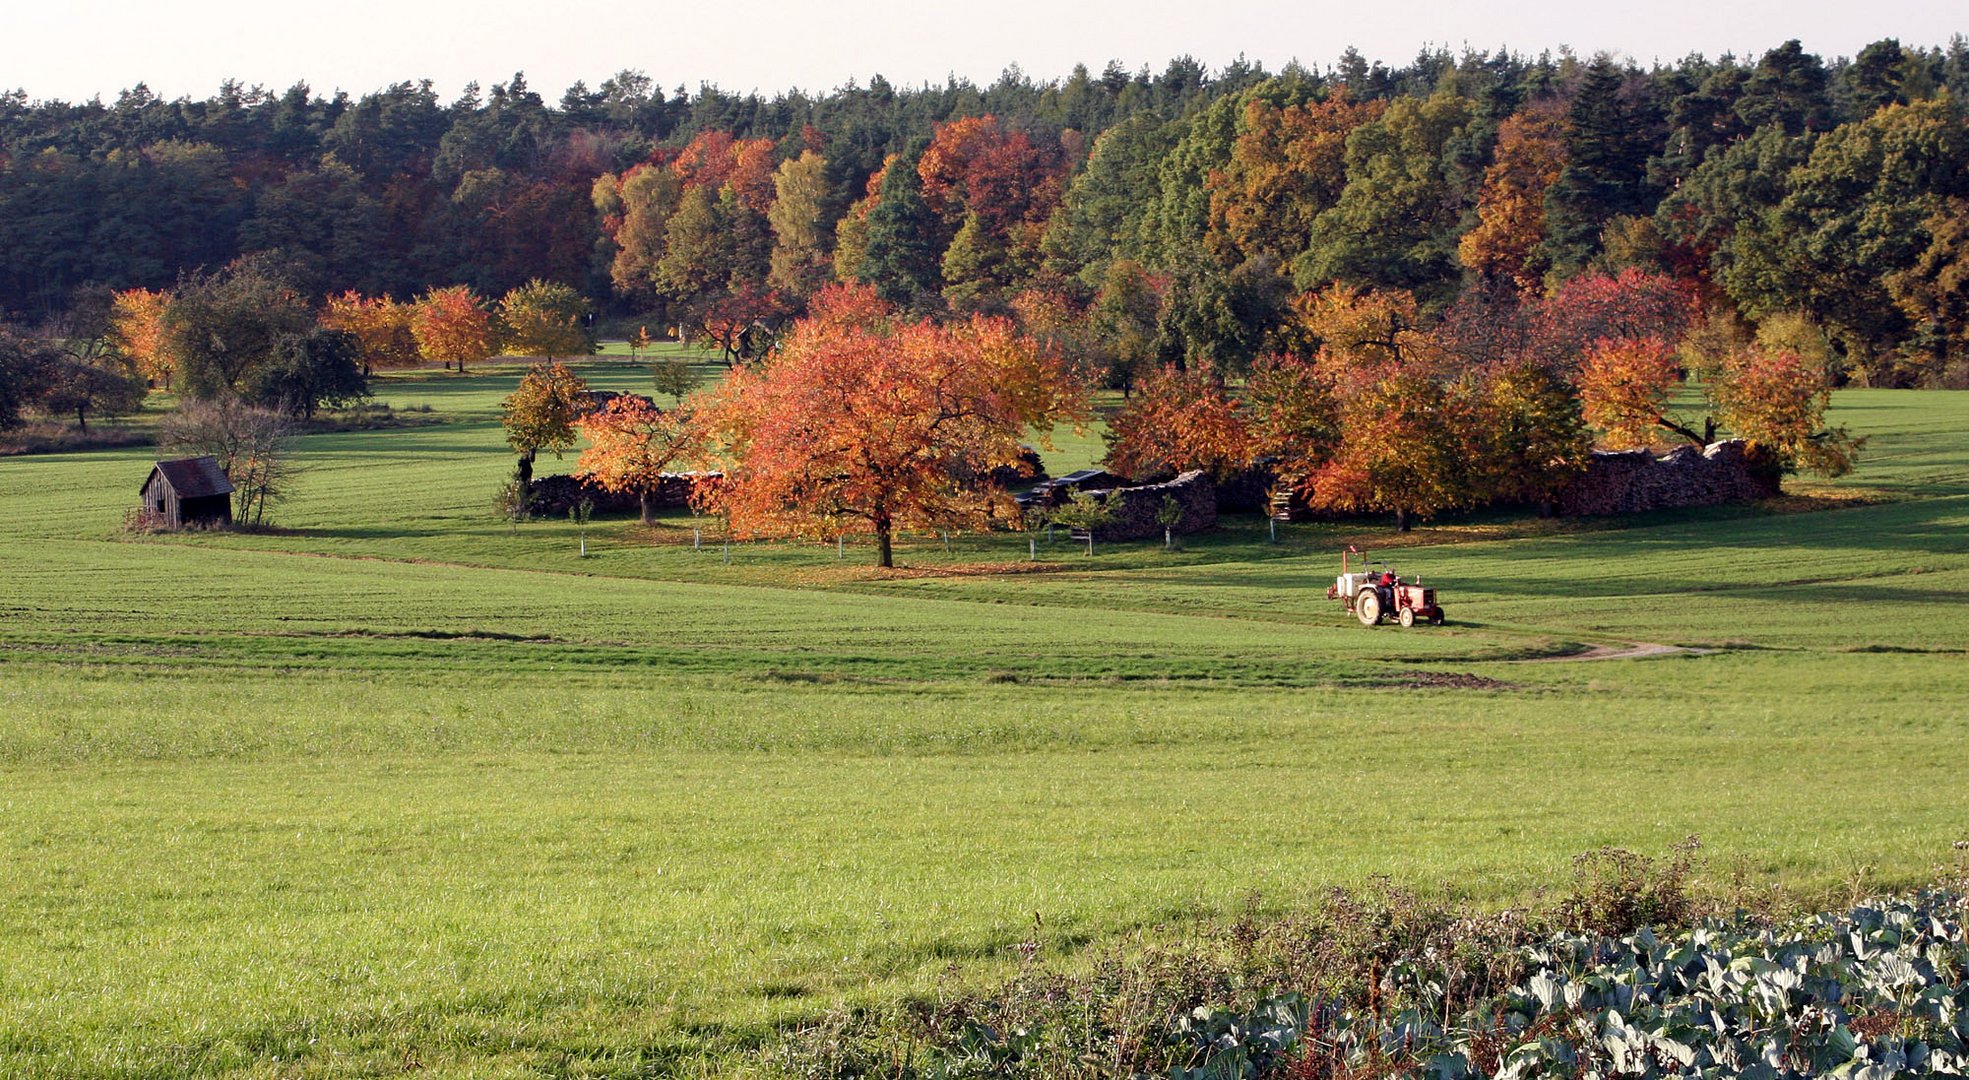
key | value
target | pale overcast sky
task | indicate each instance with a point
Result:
(78, 49)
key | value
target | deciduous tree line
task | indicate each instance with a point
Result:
(1139, 219)
(870, 419)
(1498, 401)
(246, 334)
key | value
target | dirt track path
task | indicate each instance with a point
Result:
(1633, 650)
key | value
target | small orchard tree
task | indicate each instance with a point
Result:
(1085, 512)
(514, 500)
(673, 375)
(452, 325)
(382, 327)
(541, 413)
(579, 513)
(1169, 515)
(640, 341)
(545, 318)
(309, 370)
(100, 385)
(632, 444)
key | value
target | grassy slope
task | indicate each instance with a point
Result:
(454, 799)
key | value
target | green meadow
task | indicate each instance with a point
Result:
(399, 787)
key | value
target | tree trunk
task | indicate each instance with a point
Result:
(81, 421)
(1401, 520)
(526, 467)
(647, 505)
(885, 555)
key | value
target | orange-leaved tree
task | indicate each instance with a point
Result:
(1405, 414)
(452, 324)
(1287, 165)
(542, 411)
(1364, 332)
(136, 328)
(865, 421)
(1507, 240)
(1624, 385)
(1404, 447)
(1775, 400)
(632, 443)
(1176, 420)
(381, 326)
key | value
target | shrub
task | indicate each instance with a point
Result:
(1381, 983)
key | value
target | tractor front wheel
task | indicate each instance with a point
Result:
(1406, 618)
(1367, 607)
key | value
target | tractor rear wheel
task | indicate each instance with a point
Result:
(1367, 607)
(1437, 618)
(1406, 618)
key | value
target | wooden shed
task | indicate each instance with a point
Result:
(188, 491)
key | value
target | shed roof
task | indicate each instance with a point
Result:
(194, 477)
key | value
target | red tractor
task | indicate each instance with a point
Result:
(1376, 592)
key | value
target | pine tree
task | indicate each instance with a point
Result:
(1605, 176)
(904, 259)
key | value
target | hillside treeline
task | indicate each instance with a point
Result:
(1182, 217)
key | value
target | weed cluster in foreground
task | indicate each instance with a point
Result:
(1631, 973)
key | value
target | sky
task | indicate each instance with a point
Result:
(73, 51)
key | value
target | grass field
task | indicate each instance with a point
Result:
(401, 788)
